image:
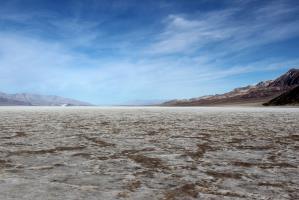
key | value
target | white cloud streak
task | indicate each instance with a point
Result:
(266, 24)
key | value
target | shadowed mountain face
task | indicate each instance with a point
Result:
(25, 99)
(288, 98)
(259, 93)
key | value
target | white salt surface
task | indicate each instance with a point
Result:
(149, 153)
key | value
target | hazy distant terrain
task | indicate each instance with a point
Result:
(26, 99)
(149, 153)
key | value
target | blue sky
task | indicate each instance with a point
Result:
(116, 52)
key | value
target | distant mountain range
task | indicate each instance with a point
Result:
(25, 99)
(282, 91)
(260, 93)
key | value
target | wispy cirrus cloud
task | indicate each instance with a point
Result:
(264, 24)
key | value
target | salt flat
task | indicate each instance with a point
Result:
(149, 153)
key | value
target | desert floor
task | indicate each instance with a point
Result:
(149, 153)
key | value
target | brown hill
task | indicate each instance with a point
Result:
(259, 93)
(288, 98)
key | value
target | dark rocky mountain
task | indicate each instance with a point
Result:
(257, 94)
(25, 99)
(288, 79)
(290, 97)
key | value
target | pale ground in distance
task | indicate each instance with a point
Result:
(149, 153)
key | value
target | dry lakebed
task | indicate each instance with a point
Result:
(149, 153)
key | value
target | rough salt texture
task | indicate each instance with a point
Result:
(149, 153)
